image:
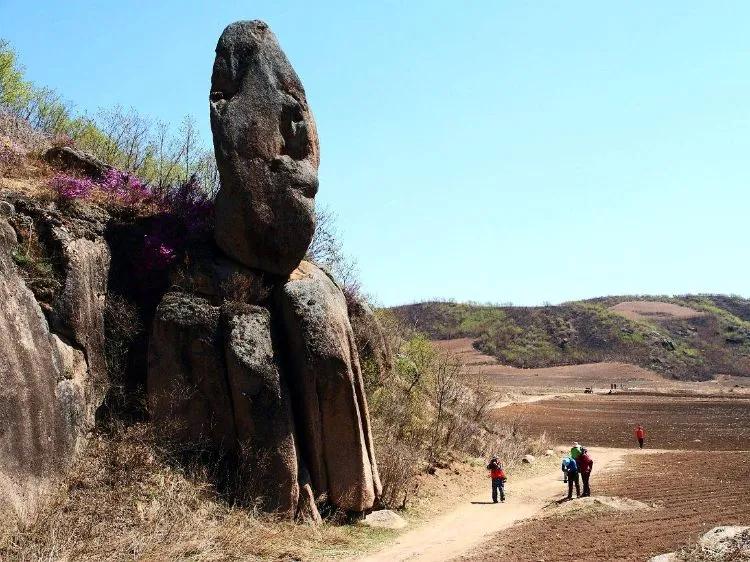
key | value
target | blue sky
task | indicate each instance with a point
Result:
(491, 151)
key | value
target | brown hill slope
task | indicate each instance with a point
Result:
(691, 337)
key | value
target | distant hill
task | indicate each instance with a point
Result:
(691, 337)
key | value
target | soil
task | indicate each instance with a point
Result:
(692, 492)
(691, 477)
(566, 377)
(654, 310)
(469, 523)
(576, 378)
(671, 422)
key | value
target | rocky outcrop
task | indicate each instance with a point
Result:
(214, 385)
(328, 390)
(52, 362)
(266, 150)
(69, 158)
(248, 360)
(251, 359)
(262, 407)
(79, 313)
(188, 393)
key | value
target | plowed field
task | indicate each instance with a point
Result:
(671, 422)
(693, 491)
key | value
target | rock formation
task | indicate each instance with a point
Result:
(250, 358)
(52, 364)
(328, 390)
(266, 151)
(257, 359)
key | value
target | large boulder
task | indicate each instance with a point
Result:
(49, 387)
(186, 382)
(327, 390)
(266, 148)
(262, 408)
(214, 384)
(71, 159)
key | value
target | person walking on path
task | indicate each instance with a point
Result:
(570, 468)
(585, 464)
(640, 434)
(497, 473)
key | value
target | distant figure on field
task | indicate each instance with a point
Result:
(570, 468)
(640, 434)
(498, 479)
(585, 464)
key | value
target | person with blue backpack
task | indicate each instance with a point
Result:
(570, 470)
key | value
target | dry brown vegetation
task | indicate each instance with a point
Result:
(428, 414)
(126, 500)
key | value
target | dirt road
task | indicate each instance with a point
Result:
(690, 492)
(457, 532)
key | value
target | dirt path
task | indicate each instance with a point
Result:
(529, 399)
(467, 526)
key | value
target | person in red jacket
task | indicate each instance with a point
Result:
(640, 434)
(498, 479)
(585, 464)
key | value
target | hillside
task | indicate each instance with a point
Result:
(691, 337)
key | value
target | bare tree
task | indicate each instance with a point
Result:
(208, 173)
(189, 145)
(446, 393)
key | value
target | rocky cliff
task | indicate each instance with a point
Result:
(248, 357)
(53, 372)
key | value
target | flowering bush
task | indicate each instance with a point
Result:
(190, 203)
(181, 213)
(71, 187)
(158, 251)
(125, 188)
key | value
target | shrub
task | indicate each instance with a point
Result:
(427, 413)
(183, 212)
(11, 157)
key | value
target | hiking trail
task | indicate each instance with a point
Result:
(472, 522)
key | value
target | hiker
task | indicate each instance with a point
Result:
(570, 468)
(565, 462)
(576, 451)
(585, 464)
(640, 434)
(498, 479)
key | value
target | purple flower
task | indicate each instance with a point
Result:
(71, 187)
(184, 211)
(157, 252)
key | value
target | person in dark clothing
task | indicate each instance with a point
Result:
(497, 473)
(585, 465)
(570, 468)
